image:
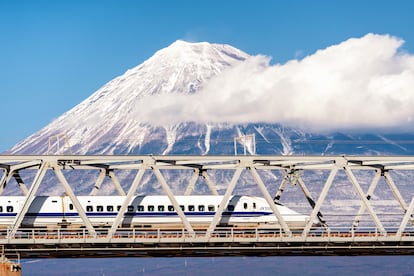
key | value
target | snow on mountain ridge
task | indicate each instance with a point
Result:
(109, 116)
(109, 121)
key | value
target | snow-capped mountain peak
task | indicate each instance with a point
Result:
(108, 120)
(112, 121)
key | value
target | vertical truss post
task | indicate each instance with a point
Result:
(269, 200)
(368, 195)
(127, 199)
(191, 184)
(365, 201)
(74, 199)
(224, 201)
(174, 202)
(29, 197)
(98, 183)
(210, 184)
(321, 199)
(118, 186)
(407, 217)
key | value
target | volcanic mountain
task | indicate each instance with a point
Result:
(110, 121)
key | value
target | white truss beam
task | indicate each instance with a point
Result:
(191, 184)
(224, 201)
(128, 198)
(269, 200)
(407, 216)
(29, 197)
(395, 191)
(321, 199)
(365, 201)
(174, 202)
(368, 195)
(73, 198)
(281, 188)
(210, 183)
(98, 183)
(115, 181)
(311, 201)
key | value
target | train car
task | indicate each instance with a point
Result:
(148, 212)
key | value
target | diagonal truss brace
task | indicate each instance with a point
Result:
(321, 199)
(193, 180)
(174, 202)
(8, 174)
(368, 195)
(98, 182)
(281, 189)
(73, 198)
(191, 184)
(20, 183)
(210, 183)
(127, 199)
(311, 201)
(101, 177)
(407, 216)
(13, 171)
(115, 180)
(224, 201)
(29, 197)
(269, 200)
(365, 201)
(397, 194)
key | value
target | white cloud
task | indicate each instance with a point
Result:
(360, 83)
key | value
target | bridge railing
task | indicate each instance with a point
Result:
(229, 234)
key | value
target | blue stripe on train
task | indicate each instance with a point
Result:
(140, 214)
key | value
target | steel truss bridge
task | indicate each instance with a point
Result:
(347, 237)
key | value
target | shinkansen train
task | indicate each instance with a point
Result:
(149, 212)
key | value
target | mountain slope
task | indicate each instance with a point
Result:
(110, 122)
(107, 122)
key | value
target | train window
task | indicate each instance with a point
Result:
(151, 208)
(211, 208)
(130, 208)
(89, 208)
(230, 208)
(161, 208)
(70, 206)
(140, 208)
(201, 208)
(170, 208)
(191, 208)
(254, 205)
(118, 208)
(245, 205)
(1, 209)
(9, 209)
(99, 208)
(109, 208)
(182, 208)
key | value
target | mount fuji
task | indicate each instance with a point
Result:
(110, 121)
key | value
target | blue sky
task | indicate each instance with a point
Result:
(54, 54)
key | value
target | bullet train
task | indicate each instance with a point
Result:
(148, 212)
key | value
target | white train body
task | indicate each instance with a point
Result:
(148, 212)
